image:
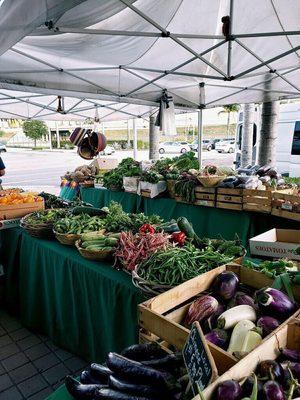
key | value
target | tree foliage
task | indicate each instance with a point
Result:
(35, 129)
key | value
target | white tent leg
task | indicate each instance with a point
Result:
(134, 139)
(128, 133)
(57, 135)
(200, 136)
(50, 138)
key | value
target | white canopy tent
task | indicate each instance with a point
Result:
(119, 55)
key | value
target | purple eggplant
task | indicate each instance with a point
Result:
(267, 324)
(290, 354)
(248, 387)
(270, 369)
(200, 309)
(275, 303)
(242, 298)
(219, 337)
(211, 322)
(226, 285)
(273, 391)
(296, 371)
(80, 391)
(229, 390)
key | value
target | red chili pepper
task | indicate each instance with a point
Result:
(179, 237)
(147, 228)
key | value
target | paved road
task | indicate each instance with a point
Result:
(38, 170)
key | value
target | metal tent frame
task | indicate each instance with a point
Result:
(150, 77)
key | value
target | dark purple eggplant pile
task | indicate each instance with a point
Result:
(237, 320)
(273, 380)
(140, 372)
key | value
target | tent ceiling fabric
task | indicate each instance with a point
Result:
(125, 52)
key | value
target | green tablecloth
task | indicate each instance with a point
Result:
(86, 307)
(207, 221)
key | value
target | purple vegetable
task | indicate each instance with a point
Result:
(225, 285)
(296, 371)
(248, 386)
(271, 369)
(292, 355)
(219, 337)
(242, 299)
(273, 391)
(229, 390)
(267, 324)
(200, 309)
(211, 322)
(275, 303)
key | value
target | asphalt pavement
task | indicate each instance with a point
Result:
(42, 170)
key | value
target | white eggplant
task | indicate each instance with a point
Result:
(252, 340)
(231, 317)
(239, 334)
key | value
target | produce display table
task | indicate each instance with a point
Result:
(85, 307)
(207, 221)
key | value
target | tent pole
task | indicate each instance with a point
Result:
(200, 136)
(57, 135)
(230, 41)
(153, 139)
(134, 139)
(128, 134)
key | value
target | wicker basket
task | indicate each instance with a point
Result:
(42, 230)
(95, 255)
(210, 181)
(149, 288)
(68, 239)
(171, 188)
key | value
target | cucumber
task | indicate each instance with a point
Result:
(111, 241)
(91, 211)
(114, 235)
(186, 227)
(92, 243)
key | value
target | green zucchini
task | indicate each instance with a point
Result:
(111, 241)
(185, 226)
(91, 211)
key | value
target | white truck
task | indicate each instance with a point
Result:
(288, 141)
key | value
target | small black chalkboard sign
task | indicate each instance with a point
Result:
(199, 362)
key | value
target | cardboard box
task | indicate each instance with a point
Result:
(276, 243)
(9, 223)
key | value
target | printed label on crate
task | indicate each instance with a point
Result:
(199, 362)
(287, 206)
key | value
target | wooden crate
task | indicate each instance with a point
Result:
(287, 336)
(260, 200)
(19, 210)
(231, 199)
(286, 205)
(146, 193)
(180, 199)
(161, 316)
(205, 196)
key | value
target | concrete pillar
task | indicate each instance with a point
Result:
(153, 140)
(247, 135)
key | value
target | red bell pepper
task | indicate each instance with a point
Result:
(179, 237)
(147, 228)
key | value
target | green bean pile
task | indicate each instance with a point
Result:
(179, 264)
(79, 224)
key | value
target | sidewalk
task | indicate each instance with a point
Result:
(31, 366)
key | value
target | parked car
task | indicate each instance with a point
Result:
(108, 151)
(174, 147)
(207, 144)
(214, 142)
(2, 148)
(225, 146)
